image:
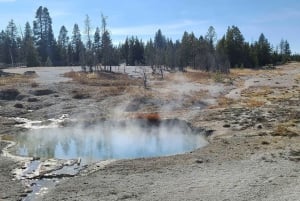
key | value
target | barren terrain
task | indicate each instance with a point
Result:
(252, 119)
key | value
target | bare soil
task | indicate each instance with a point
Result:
(253, 151)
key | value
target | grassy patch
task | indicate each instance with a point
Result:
(252, 103)
(223, 102)
(257, 92)
(286, 130)
(15, 80)
(103, 79)
(198, 76)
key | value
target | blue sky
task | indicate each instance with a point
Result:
(277, 19)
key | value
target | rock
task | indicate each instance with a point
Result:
(28, 190)
(29, 73)
(81, 96)
(42, 92)
(35, 158)
(295, 152)
(262, 134)
(259, 126)
(226, 125)
(3, 74)
(32, 100)
(199, 160)
(19, 105)
(9, 94)
(265, 143)
(20, 97)
(294, 158)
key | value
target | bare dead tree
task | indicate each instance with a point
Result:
(161, 72)
(145, 79)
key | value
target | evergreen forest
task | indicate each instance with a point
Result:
(35, 45)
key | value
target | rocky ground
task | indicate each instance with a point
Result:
(253, 118)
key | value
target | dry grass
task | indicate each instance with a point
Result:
(98, 93)
(199, 76)
(252, 103)
(257, 91)
(7, 137)
(237, 72)
(103, 79)
(223, 102)
(256, 96)
(287, 129)
(109, 91)
(190, 76)
(15, 80)
(139, 91)
(103, 84)
(193, 98)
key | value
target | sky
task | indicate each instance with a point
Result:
(276, 19)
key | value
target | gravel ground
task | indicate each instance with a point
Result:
(245, 160)
(10, 188)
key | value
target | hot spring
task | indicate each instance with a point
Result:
(110, 140)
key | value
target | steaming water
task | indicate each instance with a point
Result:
(110, 140)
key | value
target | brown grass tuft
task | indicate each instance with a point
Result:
(199, 76)
(223, 102)
(285, 130)
(15, 80)
(252, 103)
(263, 91)
(103, 79)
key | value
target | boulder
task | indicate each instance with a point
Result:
(30, 73)
(32, 100)
(9, 94)
(19, 105)
(42, 92)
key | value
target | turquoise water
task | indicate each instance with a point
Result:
(110, 140)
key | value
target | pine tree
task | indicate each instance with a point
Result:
(2, 46)
(31, 55)
(188, 49)
(76, 44)
(170, 54)
(222, 61)
(234, 46)
(97, 46)
(11, 42)
(125, 51)
(150, 53)
(62, 46)
(160, 44)
(43, 34)
(211, 36)
(106, 46)
(263, 49)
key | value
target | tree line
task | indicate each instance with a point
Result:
(37, 46)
